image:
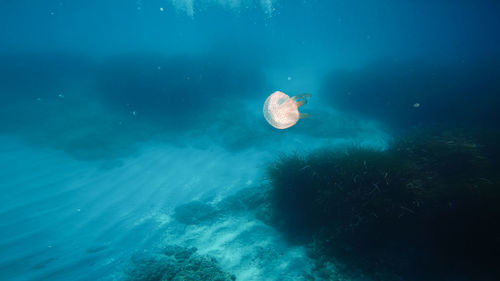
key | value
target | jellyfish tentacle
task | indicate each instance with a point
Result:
(300, 99)
(301, 103)
(304, 115)
(301, 96)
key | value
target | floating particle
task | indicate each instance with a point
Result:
(416, 105)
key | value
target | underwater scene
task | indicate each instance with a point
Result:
(249, 140)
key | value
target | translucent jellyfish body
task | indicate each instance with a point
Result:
(282, 111)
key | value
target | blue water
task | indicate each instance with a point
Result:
(115, 112)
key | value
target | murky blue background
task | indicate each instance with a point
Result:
(114, 112)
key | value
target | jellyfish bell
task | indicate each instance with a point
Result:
(282, 111)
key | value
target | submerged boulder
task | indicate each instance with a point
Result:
(175, 263)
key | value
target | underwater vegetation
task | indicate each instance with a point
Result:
(418, 94)
(428, 208)
(175, 263)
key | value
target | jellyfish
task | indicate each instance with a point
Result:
(282, 111)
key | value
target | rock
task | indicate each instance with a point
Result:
(185, 254)
(194, 213)
(202, 268)
(176, 263)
